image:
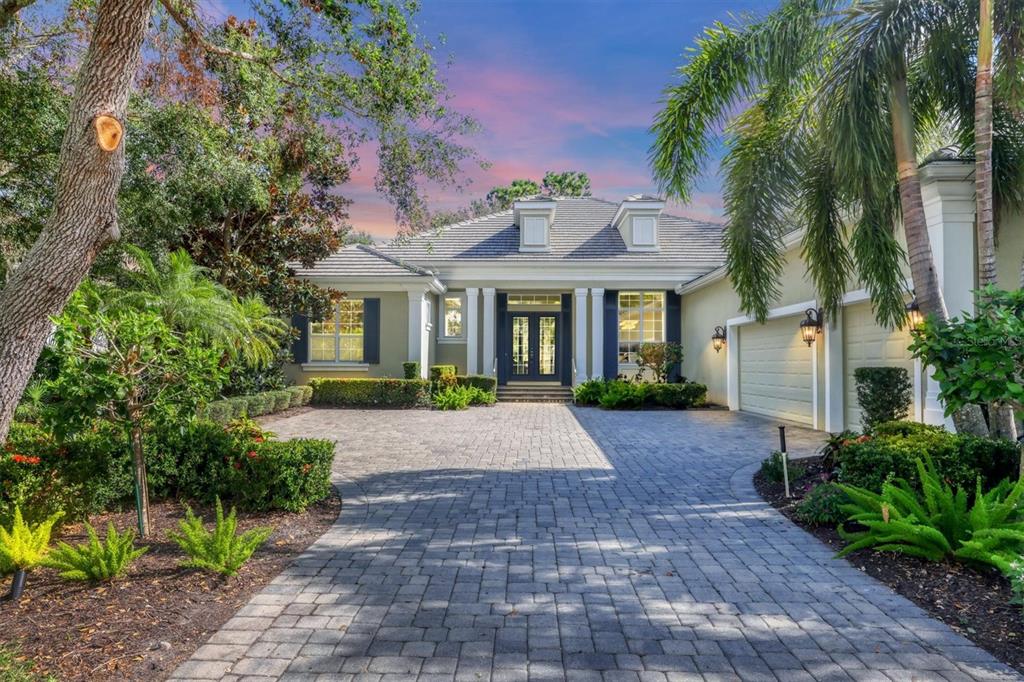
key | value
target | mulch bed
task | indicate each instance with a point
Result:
(973, 602)
(142, 625)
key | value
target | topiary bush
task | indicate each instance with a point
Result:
(883, 393)
(282, 400)
(295, 393)
(411, 370)
(398, 393)
(438, 371)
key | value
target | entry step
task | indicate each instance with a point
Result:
(542, 393)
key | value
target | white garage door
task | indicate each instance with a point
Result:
(869, 345)
(775, 371)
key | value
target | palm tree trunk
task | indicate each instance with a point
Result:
(983, 149)
(84, 217)
(922, 263)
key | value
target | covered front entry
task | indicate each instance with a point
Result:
(534, 346)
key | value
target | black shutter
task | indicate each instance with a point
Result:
(611, 334)
(300, 346)
(673, 326)
(565, 339)
(371, 331)
(504, 362)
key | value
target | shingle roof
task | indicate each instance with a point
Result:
(359, 260)
(582, 230)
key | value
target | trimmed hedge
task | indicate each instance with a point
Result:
(438, 371)
(257, 404)
(400, 393)
(627, 395)
(883, 393)
(411, 370)
(484, 383)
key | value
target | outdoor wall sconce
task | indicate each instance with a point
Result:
(718, 339)
(810, 326)
(914, 316)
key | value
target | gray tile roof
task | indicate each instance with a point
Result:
(582, 231)
(359, 260)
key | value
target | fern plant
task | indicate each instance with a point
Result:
(96, 560)
(221, 550)
(936, 523)
(23, 546)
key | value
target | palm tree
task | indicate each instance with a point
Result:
(983, 147)
(840, 98)
(190, 300)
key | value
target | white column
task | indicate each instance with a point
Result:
(949, 207)
(834, 379)
(732, 373)
(418, 350)
(471, 333)
(489, 357)
(597, 332)
(581, 336)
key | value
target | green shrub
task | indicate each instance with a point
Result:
(96, 560)
(24, 545)
(868, 461)
(478, 396)
(453, 398)
(295, 394)
(822, 506)
(1016, 576)
(623, 395)
(484, 383)
(678, 396)
(239, 407)
(306, 393)
(411, 370)
(196, 455)
(259, 404)
(289, 475)
(438, 371)
(589, 392)
(883, 393)
(771, 468)
(220, 411)
(222, 550)
(282, 400)
(933, 522)
(403, 393)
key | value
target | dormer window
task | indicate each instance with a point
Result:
(637, 222)
(534, 217)
(643, 231)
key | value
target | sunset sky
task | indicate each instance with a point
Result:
(558, 85)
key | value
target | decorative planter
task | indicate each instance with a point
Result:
(17, 585)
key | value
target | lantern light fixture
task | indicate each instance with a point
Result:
(718, 338)
(810, 326)
(914, 316)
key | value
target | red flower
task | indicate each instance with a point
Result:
(864, 439)
(258, 439)
(238, 465)
(25, 459)
(251, 454)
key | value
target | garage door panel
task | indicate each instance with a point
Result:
(868, 344)
(775, 372)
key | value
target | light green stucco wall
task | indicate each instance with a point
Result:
(1010, 251)
(394, 341)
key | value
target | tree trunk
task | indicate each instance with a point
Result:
(983, 149)
(84, 217)
(141, 484)
(919, 248)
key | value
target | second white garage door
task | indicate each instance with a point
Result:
(775, 372)
(870, 345)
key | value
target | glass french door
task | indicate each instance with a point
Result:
(534, 346)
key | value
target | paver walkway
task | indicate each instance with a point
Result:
(547, 542)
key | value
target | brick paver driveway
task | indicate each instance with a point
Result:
(546, 542)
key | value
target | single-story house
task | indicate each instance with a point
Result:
(560, 290)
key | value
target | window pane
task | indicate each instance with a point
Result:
(339, 339)
(534, 299)
(453, 316)
(321, 348)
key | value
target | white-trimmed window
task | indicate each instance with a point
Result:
(453, 308)
(641, 320)
(339, 339)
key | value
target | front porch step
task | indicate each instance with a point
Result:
(542, 393)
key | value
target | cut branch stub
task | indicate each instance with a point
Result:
(108, 132)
